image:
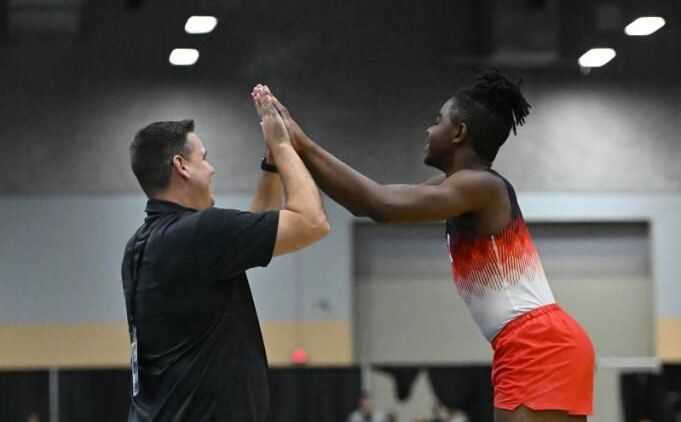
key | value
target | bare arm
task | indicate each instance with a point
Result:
(302, 220)
(435, 200)
(435, 180)
(462, 192)
(268, 194)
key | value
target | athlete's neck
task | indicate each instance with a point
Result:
(467, 159)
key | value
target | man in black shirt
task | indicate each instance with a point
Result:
(197, 349)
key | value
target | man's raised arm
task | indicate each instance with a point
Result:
(302, 220)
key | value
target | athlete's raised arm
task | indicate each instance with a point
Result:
(434, 200)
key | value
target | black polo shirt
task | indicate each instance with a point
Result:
(199, 351)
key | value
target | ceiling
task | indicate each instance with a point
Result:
(335, 37)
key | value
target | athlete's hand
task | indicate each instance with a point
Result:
(298, 137)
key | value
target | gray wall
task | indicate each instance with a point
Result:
(582, 135)
(60, 261)
(70, 106)
(588, 265)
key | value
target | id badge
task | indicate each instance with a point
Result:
(133, 364)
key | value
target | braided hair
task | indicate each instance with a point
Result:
(491, 108)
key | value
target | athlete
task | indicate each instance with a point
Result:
(543, 361)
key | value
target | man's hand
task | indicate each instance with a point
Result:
(257, 94)
(259, 101)
(273, 126)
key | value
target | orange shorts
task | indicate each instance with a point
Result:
(543, 360)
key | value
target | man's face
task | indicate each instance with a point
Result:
(201, 172)
(439, 139)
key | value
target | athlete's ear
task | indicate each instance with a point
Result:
(181, 166)
(460, 132)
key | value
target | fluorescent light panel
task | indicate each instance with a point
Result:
(644, 25)
(200, 24)
(183, 56)
(597, 57)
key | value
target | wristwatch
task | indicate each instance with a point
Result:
(265, 166)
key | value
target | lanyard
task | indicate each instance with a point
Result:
(138, 247)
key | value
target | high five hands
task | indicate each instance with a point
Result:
(271, 121)
(266, 103)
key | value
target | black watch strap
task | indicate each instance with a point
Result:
(265, 166)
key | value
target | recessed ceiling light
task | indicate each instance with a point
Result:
(183, 56)
(597, 57)
(200, 24)
(645, 25)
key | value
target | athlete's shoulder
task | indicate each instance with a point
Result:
(485, 188)
(475, 179)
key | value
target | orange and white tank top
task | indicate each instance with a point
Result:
(500, 277)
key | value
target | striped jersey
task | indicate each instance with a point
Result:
(500, 277)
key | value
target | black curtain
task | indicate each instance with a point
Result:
(94, 395)
(23, 393)
(671, 375)
(404, 377)
(466, 388)
(313, 394)
(296, 394)
(644, 397)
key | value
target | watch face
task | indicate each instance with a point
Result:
(264, 165)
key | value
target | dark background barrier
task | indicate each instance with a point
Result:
(308, 394)
(23, 393)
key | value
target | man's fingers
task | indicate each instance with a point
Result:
(268, 104)
(268, 107)
(280, 107)
(257, 95)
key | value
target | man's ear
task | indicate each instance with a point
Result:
(180, 165)
(460, 132)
